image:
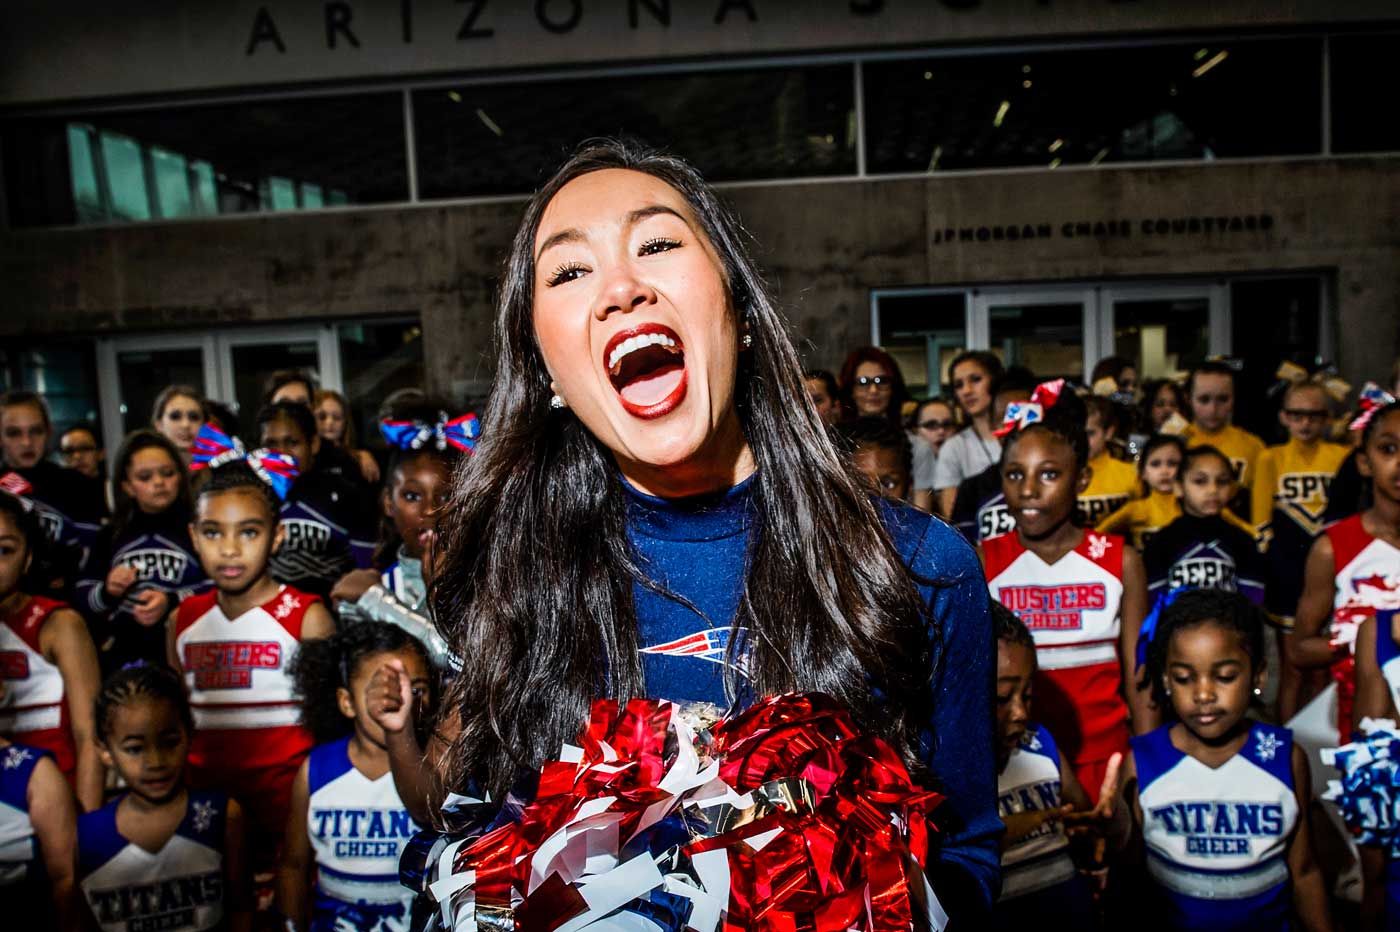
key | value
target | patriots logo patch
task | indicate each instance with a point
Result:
(711, 644)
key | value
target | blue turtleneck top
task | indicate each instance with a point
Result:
(697, 548)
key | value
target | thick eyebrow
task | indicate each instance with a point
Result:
(573, 235)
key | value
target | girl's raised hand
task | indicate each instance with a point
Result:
(389, 697)
(119, 579)
(151, 607)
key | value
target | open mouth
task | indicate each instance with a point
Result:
(646, 366)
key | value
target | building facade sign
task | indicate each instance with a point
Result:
(1206, 225)
(151, 47)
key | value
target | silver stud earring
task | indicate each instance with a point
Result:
(1258, 691)
(747, 340)
(556, 402)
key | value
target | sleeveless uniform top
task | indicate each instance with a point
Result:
(1072, 610)
(180, 887)
(236, 670)
(1368, 578)
(1217, 839)
(357, 827)
(1111, 484)
(1029, 782)
(34, 709)
(19, 849)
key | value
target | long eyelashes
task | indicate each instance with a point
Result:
(571, 270)
(658, 244)
(564, 273)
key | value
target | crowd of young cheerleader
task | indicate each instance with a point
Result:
(196, 685)
(1185, 619)
(205, 687)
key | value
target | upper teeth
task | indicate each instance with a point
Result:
(632, 344)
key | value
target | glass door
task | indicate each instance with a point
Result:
(1165, 329)
(132, 371)
(227, 366)
(1050, 330)
(248, 357)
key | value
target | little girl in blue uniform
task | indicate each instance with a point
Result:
(143, 563)
(159, 856)
(38, 829)
(1036, 792)
(1221, 801)
(347, 826)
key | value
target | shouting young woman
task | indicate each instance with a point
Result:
(655, 479)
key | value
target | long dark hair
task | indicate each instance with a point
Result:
(125, 507)
(535, 591)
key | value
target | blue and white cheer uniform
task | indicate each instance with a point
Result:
(1217, 839)
(358, 828)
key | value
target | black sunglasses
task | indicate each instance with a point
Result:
(937, 425)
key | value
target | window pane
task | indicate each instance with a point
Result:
(172, 183)
(311, 196)
(1365, 109)
(143, 374)
(279, 194)
(1047, 339)
(354, 144)
(254, 362)
(506, 138)
(1163, 338)
(923, 333)
(1048, 108)
(377, 360)
(206, 196)
(126, 176)
(64, 373)
(87, 196)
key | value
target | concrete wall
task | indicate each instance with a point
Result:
(824, 245)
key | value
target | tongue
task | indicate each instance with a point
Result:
(652, 388)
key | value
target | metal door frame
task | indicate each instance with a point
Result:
(216, 349)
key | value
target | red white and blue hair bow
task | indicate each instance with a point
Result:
(213, 448)
(1373, 398)
(459, 432)
(1022, 414)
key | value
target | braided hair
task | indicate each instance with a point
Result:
(141, 680)
(323, 665)
(238, 476)
(1229, 610)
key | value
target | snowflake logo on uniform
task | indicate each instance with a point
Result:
(285, 606)
(203, 815)
(1266, 745)
(1098, 546)
(14, 757)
